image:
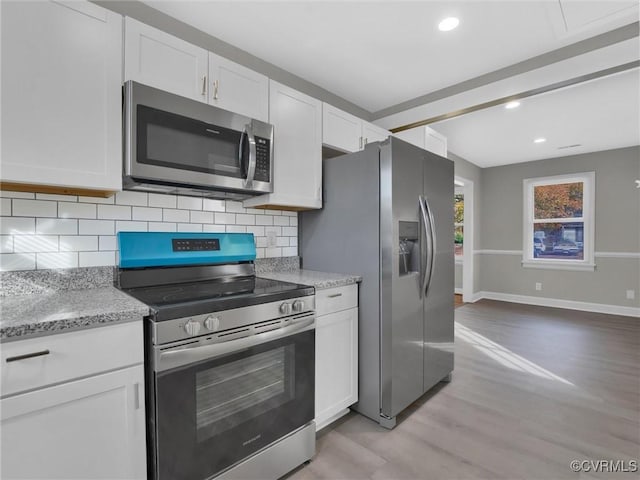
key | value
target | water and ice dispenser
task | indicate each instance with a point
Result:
(408, 248)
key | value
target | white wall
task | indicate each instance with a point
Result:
(40, 231)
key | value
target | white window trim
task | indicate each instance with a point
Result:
(588, 213)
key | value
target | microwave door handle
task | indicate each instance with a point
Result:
(168, 359)
(251, 169)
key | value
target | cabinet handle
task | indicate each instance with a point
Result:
(28, 355)
(136, 396)
(360, 143)
(335, 295)
(366, 140)
(215, 90)
(204, 85)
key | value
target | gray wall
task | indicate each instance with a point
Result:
(617, 229)
(458, 276)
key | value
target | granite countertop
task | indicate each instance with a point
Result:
(24, 316)
(319, 280)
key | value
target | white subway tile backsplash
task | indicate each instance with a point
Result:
(257, 231)
(8, 194)
(97, 259)
(17, 226)
(242, 219)
(163, 201)
(162, 227)
(212, 205)
(132, 198)
(56, 226)
(290, 251)
(234, 207)
(225, 218)
(125, 226)
(146, 213)
(105, 201)
(213, 228)
(171, 215)
(201, 217)
(56, 260)
(34, 208)
(17, 261)
(56, 197)
(6, 243)
(96, 227)
(62, 231)
(35, 243)
(76, 210)
(5, 207)
(107, 242)
(189, 227)
(190, 203)
(280, 220)
(114, 212)
(78, 243)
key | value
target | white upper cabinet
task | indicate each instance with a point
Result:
(427, 138)
(297, 121)
(61, 96)
(163, 61)
(237, 88)
(346, 132)
(340, 129)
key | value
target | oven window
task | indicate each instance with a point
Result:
(174, 141)
(233, 393)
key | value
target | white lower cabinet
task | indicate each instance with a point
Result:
(84, 428)
(336, 355)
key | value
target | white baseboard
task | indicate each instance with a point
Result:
(558, 303)
(457, 291)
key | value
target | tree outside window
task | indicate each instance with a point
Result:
(458, 219)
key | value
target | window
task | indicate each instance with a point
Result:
(558, 226)
(458, 223)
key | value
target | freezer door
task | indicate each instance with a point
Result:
(439, 287)
(401, 306)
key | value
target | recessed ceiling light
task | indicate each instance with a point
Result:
(513, 104)
(448, 23)
(540, 140)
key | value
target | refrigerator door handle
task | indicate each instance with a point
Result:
(424, 245)
(431, 247)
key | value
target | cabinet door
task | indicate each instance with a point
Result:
(373, 133)
(61, 95)
(297, 121)
(238, 89)
(90, 428)
(336, 364)
(163, 61)
(341, 130)
(435, 142)
(414, 136)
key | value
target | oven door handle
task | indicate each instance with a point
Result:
(193, 353)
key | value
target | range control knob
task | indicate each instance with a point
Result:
(298, 306)
(212, 323)
(192, 327)
(285, 308)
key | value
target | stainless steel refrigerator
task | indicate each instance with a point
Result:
(388, 216)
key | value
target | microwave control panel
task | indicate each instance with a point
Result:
(263, 162)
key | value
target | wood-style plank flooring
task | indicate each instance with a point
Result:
(533, 389)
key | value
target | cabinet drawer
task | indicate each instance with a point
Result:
(336, 299)
(71, 355)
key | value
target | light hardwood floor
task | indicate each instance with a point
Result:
(533, 389)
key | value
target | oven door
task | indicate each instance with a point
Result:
(216, 411)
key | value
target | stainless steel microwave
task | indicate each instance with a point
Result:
(177, 145)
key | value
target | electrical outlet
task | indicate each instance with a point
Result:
(631, 294)
(271, 238)
(538, 286)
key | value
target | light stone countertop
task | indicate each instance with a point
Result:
(319, 280)
(25, 316)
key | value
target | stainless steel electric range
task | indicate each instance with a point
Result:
(229, 357)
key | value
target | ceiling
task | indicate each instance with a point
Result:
(379, 54)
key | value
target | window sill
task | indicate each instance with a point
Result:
(559, 265)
